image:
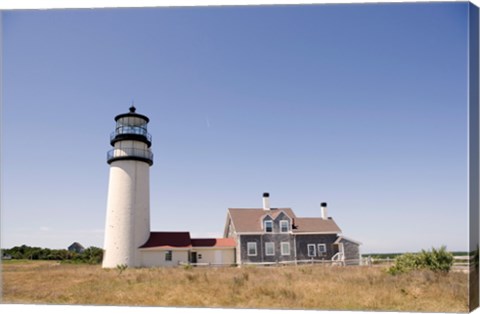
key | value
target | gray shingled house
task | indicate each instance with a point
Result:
(276, 235)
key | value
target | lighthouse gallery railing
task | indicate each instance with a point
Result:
(131, 130)
(129, 152)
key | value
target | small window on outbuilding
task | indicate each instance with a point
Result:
(168, 256)
(311, 250)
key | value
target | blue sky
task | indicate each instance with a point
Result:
(363, 106)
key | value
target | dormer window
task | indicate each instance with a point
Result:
(268, 226)
(284, 226)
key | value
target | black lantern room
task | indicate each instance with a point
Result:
(131, 140)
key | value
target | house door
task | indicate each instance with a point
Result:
(193, 257)
(341, 250)
(218, 257)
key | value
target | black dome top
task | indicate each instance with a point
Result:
(132, 113)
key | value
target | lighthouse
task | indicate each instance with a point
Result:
(128, 204)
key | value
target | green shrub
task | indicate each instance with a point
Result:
(436, 260)
(121, 268)
(406, 263)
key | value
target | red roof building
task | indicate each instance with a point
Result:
(172, 240)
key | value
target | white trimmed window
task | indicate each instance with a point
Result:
(311, 250)
(322, 248)
(268, 226)
(269, 248)
(284, 226)
(285, 248)
(252, 249)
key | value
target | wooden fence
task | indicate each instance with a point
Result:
(461, 263)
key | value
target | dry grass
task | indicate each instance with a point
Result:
(301, 287)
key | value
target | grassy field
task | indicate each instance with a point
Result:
(292, 287)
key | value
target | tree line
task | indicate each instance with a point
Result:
(91, 255)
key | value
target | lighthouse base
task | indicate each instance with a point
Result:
(128, 213)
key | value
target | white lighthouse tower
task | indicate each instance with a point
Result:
(128, 204)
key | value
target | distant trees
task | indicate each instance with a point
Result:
(91, 255)
(437, 260)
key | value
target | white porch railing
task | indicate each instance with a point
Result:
(338, 259)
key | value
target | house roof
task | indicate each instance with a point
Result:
(182, 240)
(316, 225)
(249, 220)
(168, 239)
(343, 238)
(220, 242)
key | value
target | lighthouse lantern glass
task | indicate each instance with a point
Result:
(131, 125)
